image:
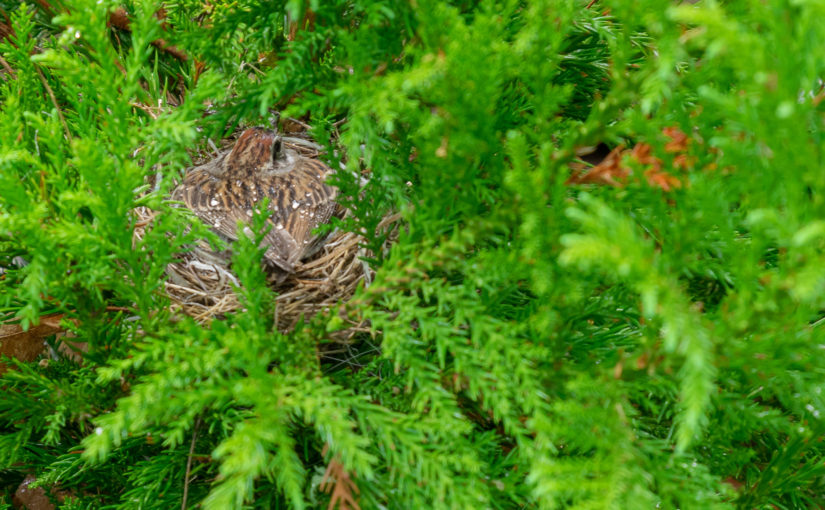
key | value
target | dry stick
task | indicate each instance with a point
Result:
(7, 66)
(300, 123)
(54, 101)
(189, 463)
(591, 3)
(118, 309)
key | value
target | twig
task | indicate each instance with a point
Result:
(591, 4)
(145, 108)
(118, 309)
(189, 463)
(7, 66)
(213, 146)
(54, 101)
(301, 123)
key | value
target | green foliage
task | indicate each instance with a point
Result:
(533, 343)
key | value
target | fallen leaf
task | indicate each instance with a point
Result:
(26, 345)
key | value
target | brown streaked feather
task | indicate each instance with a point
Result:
(225, 190)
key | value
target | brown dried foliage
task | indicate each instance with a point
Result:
(338, 482)
(614, 170)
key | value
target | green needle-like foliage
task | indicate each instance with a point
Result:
(538, 338)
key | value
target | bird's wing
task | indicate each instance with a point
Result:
(214, 202)
(306, 203)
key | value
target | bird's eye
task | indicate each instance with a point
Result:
(277, 148)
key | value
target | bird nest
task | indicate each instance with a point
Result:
(205, 289)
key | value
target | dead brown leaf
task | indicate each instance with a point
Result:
(26, 345)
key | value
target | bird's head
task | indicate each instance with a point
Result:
(259, 150)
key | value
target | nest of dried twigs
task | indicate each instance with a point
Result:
(204, 289)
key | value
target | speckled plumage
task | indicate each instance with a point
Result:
(227, 189)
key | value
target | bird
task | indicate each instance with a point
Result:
(226, 190)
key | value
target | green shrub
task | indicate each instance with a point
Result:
(535, 343)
